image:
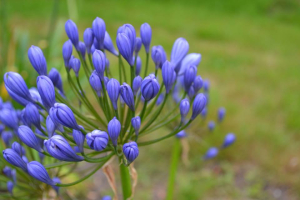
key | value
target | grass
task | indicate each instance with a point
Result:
(250, 54)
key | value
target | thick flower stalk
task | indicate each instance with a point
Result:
(115, 113)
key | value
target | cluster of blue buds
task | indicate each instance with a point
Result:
(114, 114)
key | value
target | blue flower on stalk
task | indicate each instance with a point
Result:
(7, 171)
(125, 47)
(72, 32)
(114, 129)
(137, 82)
(46, 90)
(14, 158)
(190, 59)
(108, 44)
(198, 83)
(10, 186)
(37, 60)
(184, 108)
(181, 134)
(59, 148)
(137, 45)
(17, 98)
(51, 126)
(56, 188)
(96, 83)
(97, 140)
(15, 83)
(67, 50)
(149, 87)
(127, 95)
(146, 35)
(99, 29)
(9, 118)
(18, 148)
(211, 125)
(38, 171)
(99, 60)
(158, 56)
(179, 51)
(206, 85)
(27, 136)
(131, 151)
(82, 49)
(169, 75)
(211, 153)
(221, 114)
(75, 65)
(55, 77)
(189, 76)
(113, 89)
(79, 137)
(228, 140)
(88, 38)
(191, 93)
(136, 124)
(198, 105)
(32, 115)
(138, 66)
(62, 114)
(129, 31)
(25, 159)
(6, 137)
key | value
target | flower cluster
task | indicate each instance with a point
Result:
(114, 113)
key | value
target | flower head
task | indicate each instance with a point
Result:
(211, 153)
(179, 51)
(113, 89)
(136, 124)
(108, 44)
(228, 140)
(14, 158)
(46, 90)
(149, 87)
(114, 129)
(32, 115)
(198, 105)
(131, 151)
(146, 35)
(37, 60)
(99, 60)
(55, 77)
(127, 95)
(169, 75)
(184, 108)
(136, 85)
(38, 171)
(27, 136)
(72, 32)
(96, 82)
(99, 29)
(97, 140)
(79, 139)
(221, 114)
(158, 56)
(67, 50)
(75, 65)
(88, 38)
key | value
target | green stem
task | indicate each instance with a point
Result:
(125, 181)
(143, 110)
(173, 169)
(147, 62)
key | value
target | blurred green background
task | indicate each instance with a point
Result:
(250, 54)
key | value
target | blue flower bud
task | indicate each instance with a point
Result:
(59, 148)
(184, 108)
(138, 66)
(179, 51)
(96, 44)
(67, 50)
(137, 82)
(99, 28)
(114, 129)
(18, 148)
(6, 137)
(14, 158)
(56, 188)
(17, 98)
(32, 115)
(7, 171)
(189, 76)
(204, 113)
(16, 84)
(131, 151)
(158, 56)
(10, 186)
(160, 99)
(190, 59)
(88, 38)
(9, 118)
(125, 47)
(7, 105)
(211, 153)
(27, 136)
(25, 159)
(228, 140)
(149, 87)
(181, 134)
(46, 90)
(82, 49)
(129, 31)
(79, 139)
(99, 60)
(198, 83)
(146, 35)
(97, 140)
(221, 114)
(198, 105)
(191, 93)
(108, 44)
(38, 171)
(211, 125)
(206, 85)
(137, 45)
(51, 126)
(37, 60)
(106, 198)
(72, 32)
(169, 75)
(62, 114)
(75, 65)
(136, 124)
(127, 95)
(113, 88)
(14, 175)
(55, 77)
(96, 83)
